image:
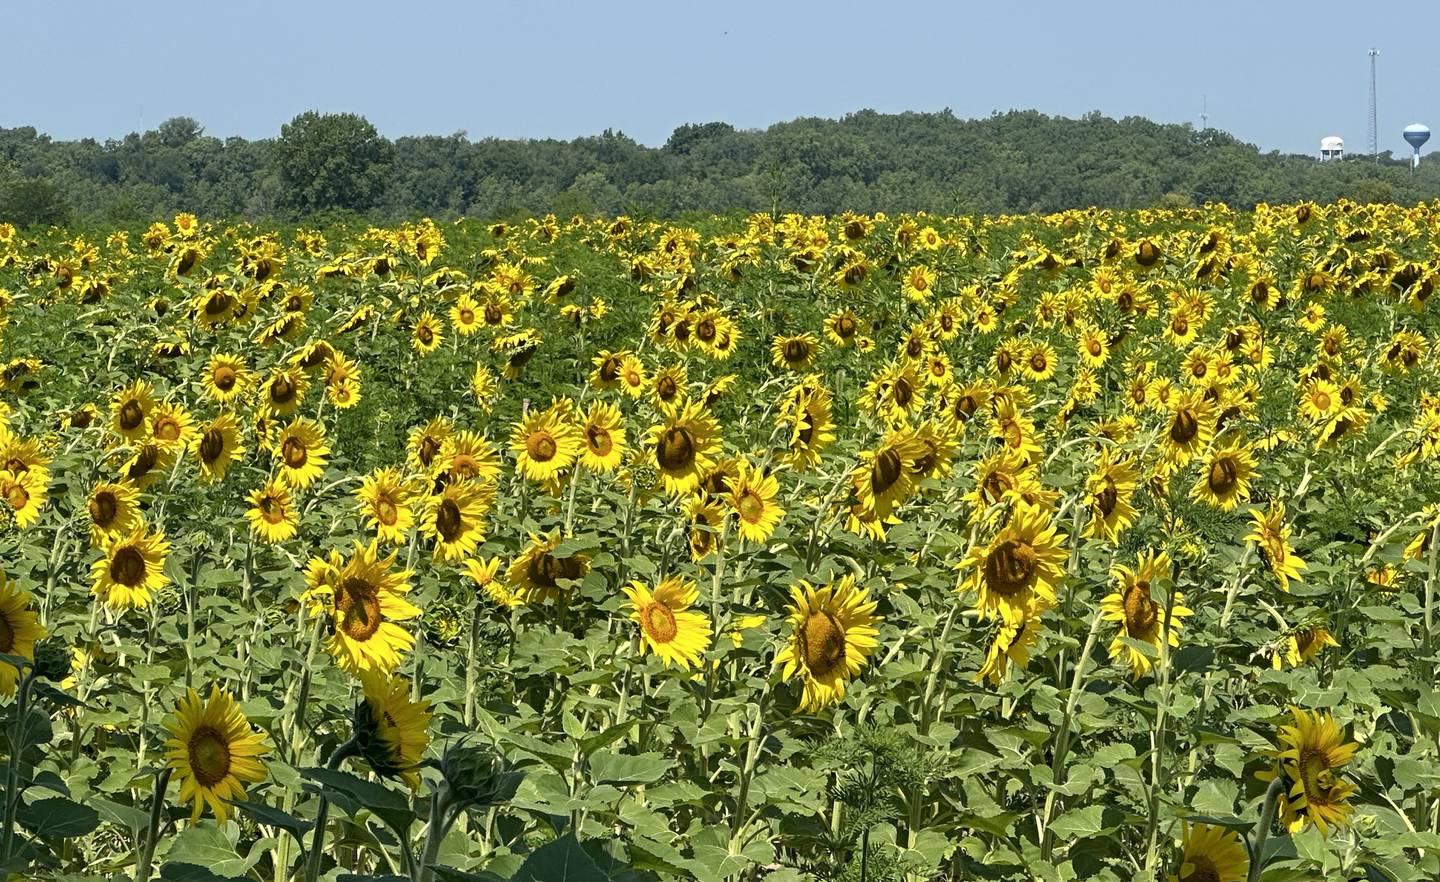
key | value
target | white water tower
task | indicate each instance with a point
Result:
(1416, 135)
(1332, 147)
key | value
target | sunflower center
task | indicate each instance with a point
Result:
(272, 509)
(1202, 869)
(1147, 254)
(145, 460)
(429, 447)
(598, 439)
(1224, 473)
(822, 643)
(1093, 346)
(128, 567)
(224, 378)
(167, 428)
(1322, 400)
(750, 506)
(494, 314)
(103, 507)
(1003, 360)
(610, 368)
(209, 756)
(282, 391)
(886, 470)
(448, 522)
(16, 495)
(1106, 499)
(212, 445)
(424, 334)
(706, 330)
(659, 622)
(386, 511)
(357, 603)
(1038, 362)
(666, 388)
(676, 448)
(547, 570)
(1140, 612)
(131, 415)
(1184, 427)
(845, 327)
(541, 446)
(293, 452)
(903, 392)
(1010, 567)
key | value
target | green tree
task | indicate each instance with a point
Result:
(29, 202)
(331, 160)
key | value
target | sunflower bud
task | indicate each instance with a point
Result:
(52, 659)
(477, 776)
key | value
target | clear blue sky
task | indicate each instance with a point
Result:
(1277, 74)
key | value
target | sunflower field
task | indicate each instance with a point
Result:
(1098, 545)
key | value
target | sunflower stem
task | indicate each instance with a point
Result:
(12, 766)
(1262, 829)
(152, 833)
(1062, 737)
(322, 813)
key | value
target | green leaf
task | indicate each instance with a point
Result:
(561, 860)
(205, 845)
(1081, 823)
(275, 817)
(450, 874)
(614, 768)
(386, 804)
(179, 872)
(58, 817)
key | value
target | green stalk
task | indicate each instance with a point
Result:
(1262, 829)
(157, 807)
(322, 814)
(1062, 737)
(12, 767)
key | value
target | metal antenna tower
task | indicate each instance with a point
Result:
(1374, 127)
(1204, 113)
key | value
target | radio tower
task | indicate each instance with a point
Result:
(1374, 128)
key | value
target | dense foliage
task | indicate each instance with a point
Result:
(1095, 545)
(1010, 162)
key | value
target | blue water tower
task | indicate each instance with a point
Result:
(1416, 135)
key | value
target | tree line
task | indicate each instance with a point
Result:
(1019, 161)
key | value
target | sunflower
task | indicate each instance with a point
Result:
(214, 751)
(301, 452)
(19, 629)
(130, 410)
(608, 369)
(427, 334)
(1311, 754)
(25, 493)
(1015, 575)
(1016, 431)
(226, 377)
(1009, 644)
(484, 573)
(466, 455)
(537, 573)
(1320, 400)
(795, 352)
(1094, 349)
(668, 627)
(171, 426)
(1212, 854)
(604, 435)
(133, 567)
(832, 632)
(384, 497)
(147, 464)
(684, 448)
(1273, 538)
(668, 388)
(706, 517)
(1141, 618)
(484, 387)
(1301, 645)
(455, 517)
(282, 394)
(393, 729)
(752, 497)
(633, 380)
(465, 315)
(113, 509)
(886, 476)
(1226, 482)
(1038, 361)
(272, 513)
(895, 393)
(545, 443)
(217, 446)
(1110, 490)
(363, 598)
(426, 442)
(1190, 427)
(919, 284)
(806, 411)
(843, 326)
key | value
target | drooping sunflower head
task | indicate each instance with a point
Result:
(455, 518)
(392, 730)
(1141, 614)
(216, 446)
(1211, 854)
(684, 448)
(1226, 480)
(1312, 754)
(130, 410)
(113, 509)
(539, 574)
(1015, 575)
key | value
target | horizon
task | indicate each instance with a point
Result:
(412, 81)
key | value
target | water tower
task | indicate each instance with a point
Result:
(1416, 135)
(1332, 147)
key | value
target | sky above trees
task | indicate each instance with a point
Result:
(1279, 75)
